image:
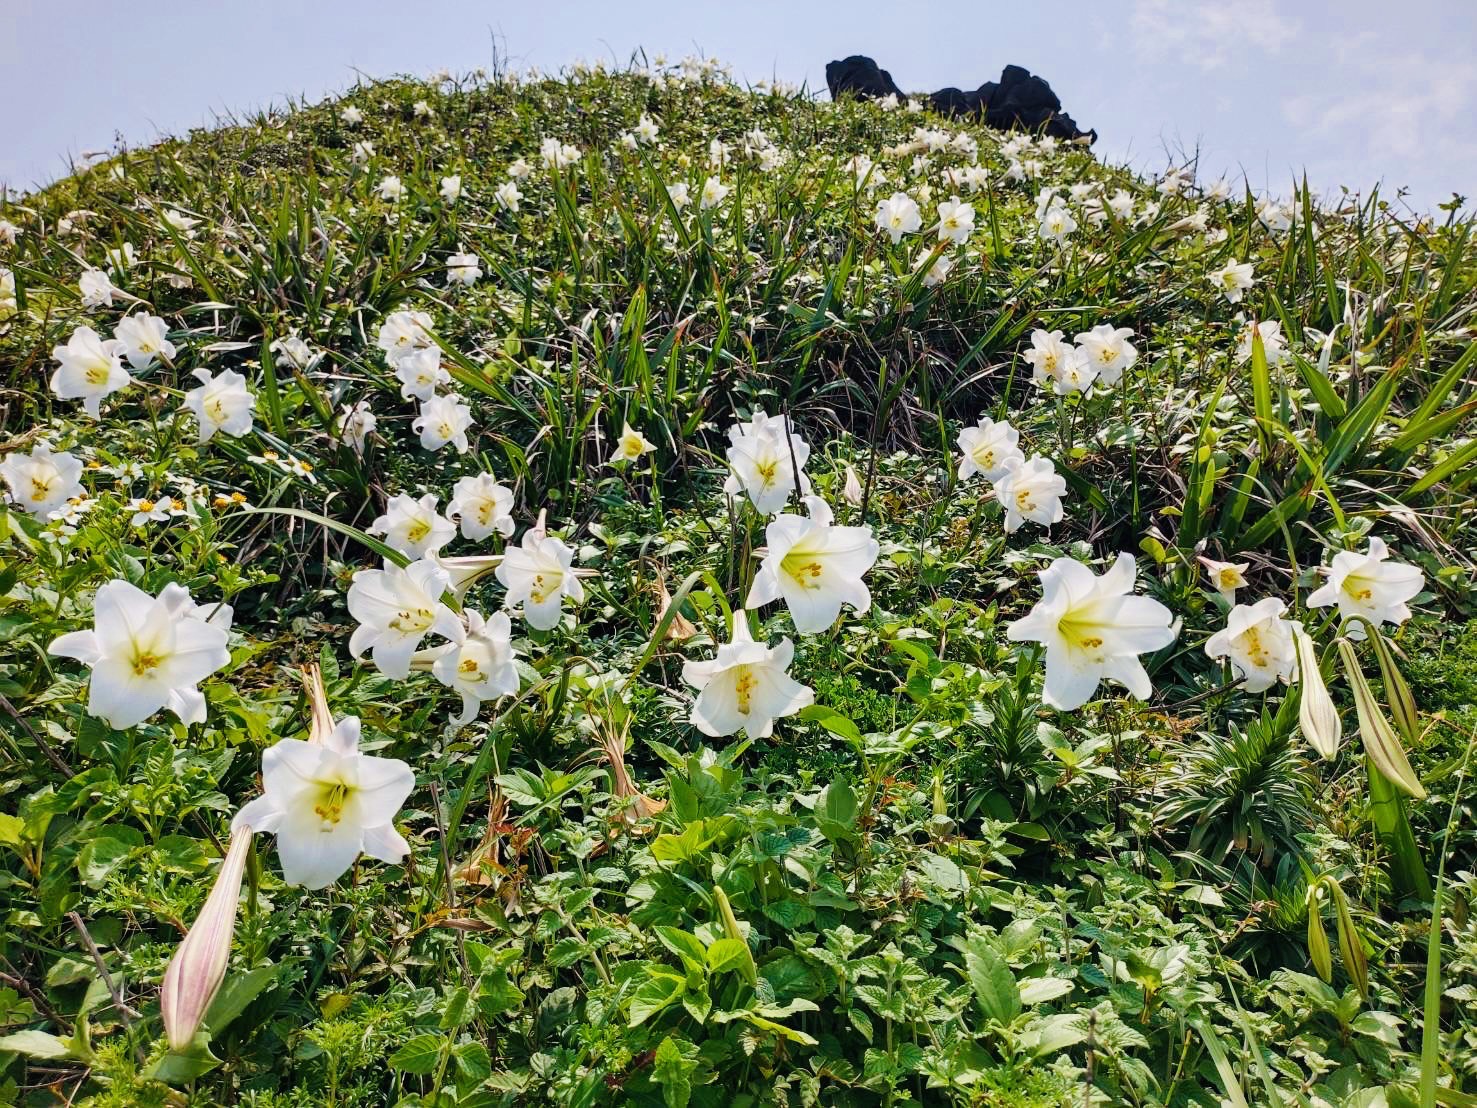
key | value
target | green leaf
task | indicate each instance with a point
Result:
(238, 990)
(654, 994)
(836, 811)
(180, 1067)
(729, 954)
(35, 1044)
(421, 1054)
(993, 984)
(672, 1067)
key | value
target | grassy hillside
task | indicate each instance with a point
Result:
(1060, 809)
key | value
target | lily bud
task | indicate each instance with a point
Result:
(851, 492)
(1379, 738)
(322, 724)
(466, 571)
(199, 965)
(1317, 715)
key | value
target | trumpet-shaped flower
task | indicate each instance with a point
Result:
(816, 566)
(1093, 629)
(444, 419)
(746, 687)
(1369, 585)
(956, 221)
(89, 369)
(481, 506)
(420, 373)
(327, 804)
(767, 462)
(1233, 279)
(1274, 346)
(1226, 577)
(478, 663)
(713, 193)
(539, 575)
(1048, 357)
(679, 194)
(143, 338)
(451, 188)
(1030, 490)
(988, 449)
(221, 403)
(508, 196)
(396, 608)
(414, 527)
(356, 422)
(1258, 643)
(631, 446)
(1057, 225)
(42, 482)
(898, 215)
(96, 288)
(147, 652)
(462, 269)
(404, 333)
(1108, 351)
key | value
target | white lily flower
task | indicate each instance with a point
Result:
(746, 687)
(477, 663)
(327, 804)
(451, 188)
(713, 193)
(391, 188)
(538, 575)
(508, 196)
(463, 269)
(898, 215)
(481, 506)
(1076, 374)
(143, 338)
(396, 608)
(355, 424)
(414, 527)
(1031, 490)
(815, 566)
(1108, 351)
(1093, 629)
(444, 419)
(956, 221)
(420, 373)
(1369, 585)
(1274, 346)
(766, 462)
(631, 446)
(1057, 225)
(89, 369)
(221, 403)
(404, 333)
(988, 449)
(96, 288)
(1259, 644)
(1226, 577)
(147, 652)
(42, 482)
(1048, 357)
(679, 195)
(1233, 279)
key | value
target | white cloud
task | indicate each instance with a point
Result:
(1207, 33)
(1402, 105)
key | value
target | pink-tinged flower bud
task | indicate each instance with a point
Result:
(199, 965)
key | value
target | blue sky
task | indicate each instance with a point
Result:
(1356, 91)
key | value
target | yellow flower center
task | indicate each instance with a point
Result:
(332, 797)
(545, 584)
(418, 530)
(412, 621)
(144, 661)
(804, 568)
(96, 374)
(744, 685)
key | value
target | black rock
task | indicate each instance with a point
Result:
(1019, 101)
